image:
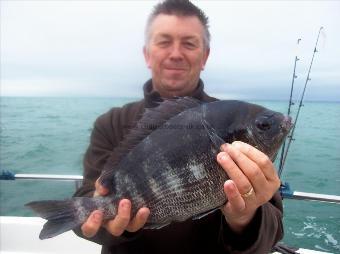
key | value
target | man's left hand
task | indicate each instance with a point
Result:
(253, 182)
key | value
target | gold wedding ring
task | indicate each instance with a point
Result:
(248, 193)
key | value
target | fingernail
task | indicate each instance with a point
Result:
(227, 147)
(236, 144)
(223, 156)
(145, 215)
(230, 185)
(97, 217)
(125, 205)
(223, 147)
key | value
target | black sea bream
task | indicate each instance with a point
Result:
(168, 163)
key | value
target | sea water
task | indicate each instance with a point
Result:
(51, 135)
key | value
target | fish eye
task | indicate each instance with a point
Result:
(262, 124)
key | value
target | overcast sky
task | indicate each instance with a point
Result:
(94, 48)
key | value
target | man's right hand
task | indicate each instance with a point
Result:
(120, 223)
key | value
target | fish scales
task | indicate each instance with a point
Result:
(170, 166)
(175, 174)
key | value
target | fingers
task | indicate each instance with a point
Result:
(139, 221)
(100, 189)
(249, 168)
(264, 164)
(95, 220)
(123, 221)
(118, 225)
(234, 172)
(251, 171)
(235, 200)
(235, 210)
(261, 159)
(92, 224)
(253, 181)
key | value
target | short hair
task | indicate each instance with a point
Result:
(179, 8)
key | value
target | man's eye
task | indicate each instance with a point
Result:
(163, 43)
(190, 45)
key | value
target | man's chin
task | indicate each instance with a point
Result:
(176, 90)
(175, 87)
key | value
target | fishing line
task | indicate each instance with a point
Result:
(290, 137)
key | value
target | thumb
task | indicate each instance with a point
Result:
(100, 189)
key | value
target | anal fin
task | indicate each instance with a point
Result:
(201, 215)
(156, 226)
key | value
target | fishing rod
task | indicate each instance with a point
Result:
(290, 137)
(289, 107)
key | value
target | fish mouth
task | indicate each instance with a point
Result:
(286, 124)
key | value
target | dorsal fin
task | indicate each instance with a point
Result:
(152, 119)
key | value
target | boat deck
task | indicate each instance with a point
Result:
(19, 235)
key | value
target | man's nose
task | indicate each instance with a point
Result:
(176, 52)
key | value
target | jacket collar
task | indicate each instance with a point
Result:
(152, 98)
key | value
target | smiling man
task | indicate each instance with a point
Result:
(176, 51)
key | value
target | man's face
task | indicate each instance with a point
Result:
(176, 54)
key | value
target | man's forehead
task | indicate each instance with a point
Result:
(184, 26)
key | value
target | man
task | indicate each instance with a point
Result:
(176, 51)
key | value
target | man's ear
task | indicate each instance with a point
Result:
(146, 56)
(205, 58)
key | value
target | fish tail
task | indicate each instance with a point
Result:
(61, 215)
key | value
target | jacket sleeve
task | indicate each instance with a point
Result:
(102, 143)
(264, 231)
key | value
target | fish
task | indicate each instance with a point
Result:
(167, 163)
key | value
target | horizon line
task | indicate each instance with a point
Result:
(140, 97)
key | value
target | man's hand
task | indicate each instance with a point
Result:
(253, 182)
(120, 223)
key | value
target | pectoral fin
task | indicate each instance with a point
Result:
(215, 139)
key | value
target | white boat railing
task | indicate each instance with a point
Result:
(285, 190)
(49, 177)
(8, 175)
